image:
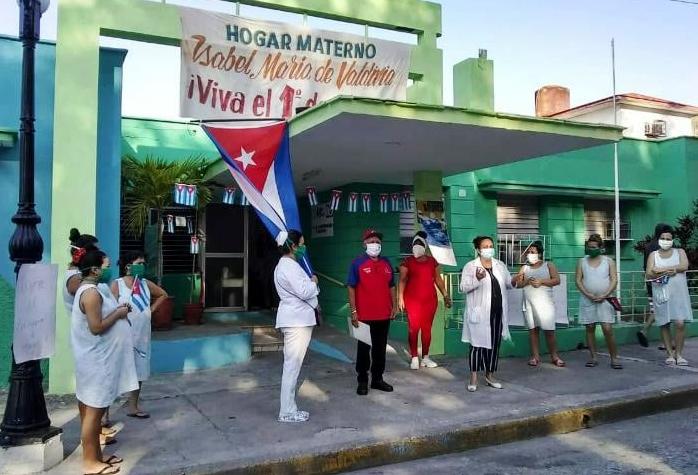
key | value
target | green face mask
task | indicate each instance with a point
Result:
(137, 270)
(300, 251)
(105, 276)
(594, 251)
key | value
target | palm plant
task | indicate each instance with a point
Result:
(148, 185)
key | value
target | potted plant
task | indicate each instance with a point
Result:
(147, 185)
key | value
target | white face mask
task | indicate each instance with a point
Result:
(533, 259)
(487, 253)
(373, 249)
(666, 244)
(418, 251)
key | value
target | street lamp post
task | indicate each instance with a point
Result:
(26, 418)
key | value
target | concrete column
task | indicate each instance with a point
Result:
(473, 83)
(428, 186)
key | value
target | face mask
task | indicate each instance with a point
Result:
(105, 276)
(418, 251)
(666, 244)
(487, 253)
(137, 270)
(373, 249)
(533, 259)
(593, 251)
(299, 252)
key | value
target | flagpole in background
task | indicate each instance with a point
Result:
(616, 186)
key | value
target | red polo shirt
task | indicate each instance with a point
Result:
(373, 281)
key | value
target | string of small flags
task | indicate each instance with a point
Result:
(394, 202)
(184, 194)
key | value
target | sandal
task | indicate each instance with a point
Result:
(113, 459)
(616, 365)
(534, 362)
(104, 470)
(670, 361)
(591, 364)
(108, 440)
(558, 362)
(139, 415)
(108, 431)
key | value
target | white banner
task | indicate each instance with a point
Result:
(235, 67)
(35, 312)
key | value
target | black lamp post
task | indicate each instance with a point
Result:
(26, 419)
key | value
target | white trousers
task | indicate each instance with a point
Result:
(296, 341)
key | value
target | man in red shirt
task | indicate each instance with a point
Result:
(372, 300)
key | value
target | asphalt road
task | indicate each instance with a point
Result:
(665, 443)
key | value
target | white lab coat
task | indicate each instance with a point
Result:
(476, 319)
(297, 294)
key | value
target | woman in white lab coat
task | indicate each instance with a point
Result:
(484, 281)
(295, 318)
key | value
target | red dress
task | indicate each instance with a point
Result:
(420, 300)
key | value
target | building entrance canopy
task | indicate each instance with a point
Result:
(355, 140)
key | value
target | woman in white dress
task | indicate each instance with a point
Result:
(666, 269)
(144, 301)
(537, 278)
(103, 350)
(596, 280)
(485, 281)
(295, 318)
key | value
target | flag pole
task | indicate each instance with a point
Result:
(616, 187)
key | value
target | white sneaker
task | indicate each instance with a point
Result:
(429, 363)
(298, 416)
(414, 364)
(670, 361)
(681, 361)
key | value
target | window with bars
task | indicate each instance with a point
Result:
(518, 226)
(599, 218)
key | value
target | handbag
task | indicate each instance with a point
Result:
(317, 310)
(615, 303)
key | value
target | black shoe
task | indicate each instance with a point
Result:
(362, 389)
(642, 339)
(381, 386)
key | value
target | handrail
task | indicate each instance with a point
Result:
(336, 282)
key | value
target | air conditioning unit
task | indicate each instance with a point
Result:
(656, 128)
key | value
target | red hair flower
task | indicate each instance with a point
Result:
(78, 254)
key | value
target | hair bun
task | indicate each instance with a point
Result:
(74, 235)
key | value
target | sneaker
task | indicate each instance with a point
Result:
(414, 364)
(670, 361)
(681, 361)
(381, 386)
(362, 389)
(642, 339)
(429, 363)
(298, 416)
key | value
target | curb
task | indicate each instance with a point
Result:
(460, 440)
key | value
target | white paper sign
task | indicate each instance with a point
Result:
(322, 220)
(234, 67)
(362, 333)
(35, 312)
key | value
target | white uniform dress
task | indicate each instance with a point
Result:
(68, 298)
(140, 328)
(596, 280)
(672, 301)
(104, 366)
(538, 306)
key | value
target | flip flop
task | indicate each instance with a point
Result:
(113, 459)
(616, 365)
(139, 415)
(591, 364)
(108, 432)
(558, 362)
(108, 441)
(104, 471)
(533, 362)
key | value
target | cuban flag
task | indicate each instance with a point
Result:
(140, 295)
(194, 246)
(383, 197)
(229, 195)
(353, 201)
(366, 201)
(334, 202)
(259, 159)
(407, 201)
(395, 201)
(180, 193)
(312, 195)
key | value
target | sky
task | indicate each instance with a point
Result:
(532, 43)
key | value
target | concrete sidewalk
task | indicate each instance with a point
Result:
(224, 421)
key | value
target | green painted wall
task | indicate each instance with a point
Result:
(7, 304)
(170, 140)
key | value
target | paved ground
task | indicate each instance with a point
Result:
(659, 444)
(225, 419)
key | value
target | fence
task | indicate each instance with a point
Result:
(633, 298)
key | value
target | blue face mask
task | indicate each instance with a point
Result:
(487, 253)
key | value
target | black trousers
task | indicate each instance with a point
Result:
(373, 357)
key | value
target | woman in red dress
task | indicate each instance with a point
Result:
(419, 277)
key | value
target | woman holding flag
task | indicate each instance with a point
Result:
(144, 297)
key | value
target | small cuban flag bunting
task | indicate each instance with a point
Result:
(395, 202)
(366, 202)
(191, 195)
(244, 201)
(185, 194)
(140, 297)
(384, 202)
(190, 225)
(229, 195)
(169, 223)
(194, 247)
(312, 196)
(334, 202)
(407, 201)
(353, 202)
